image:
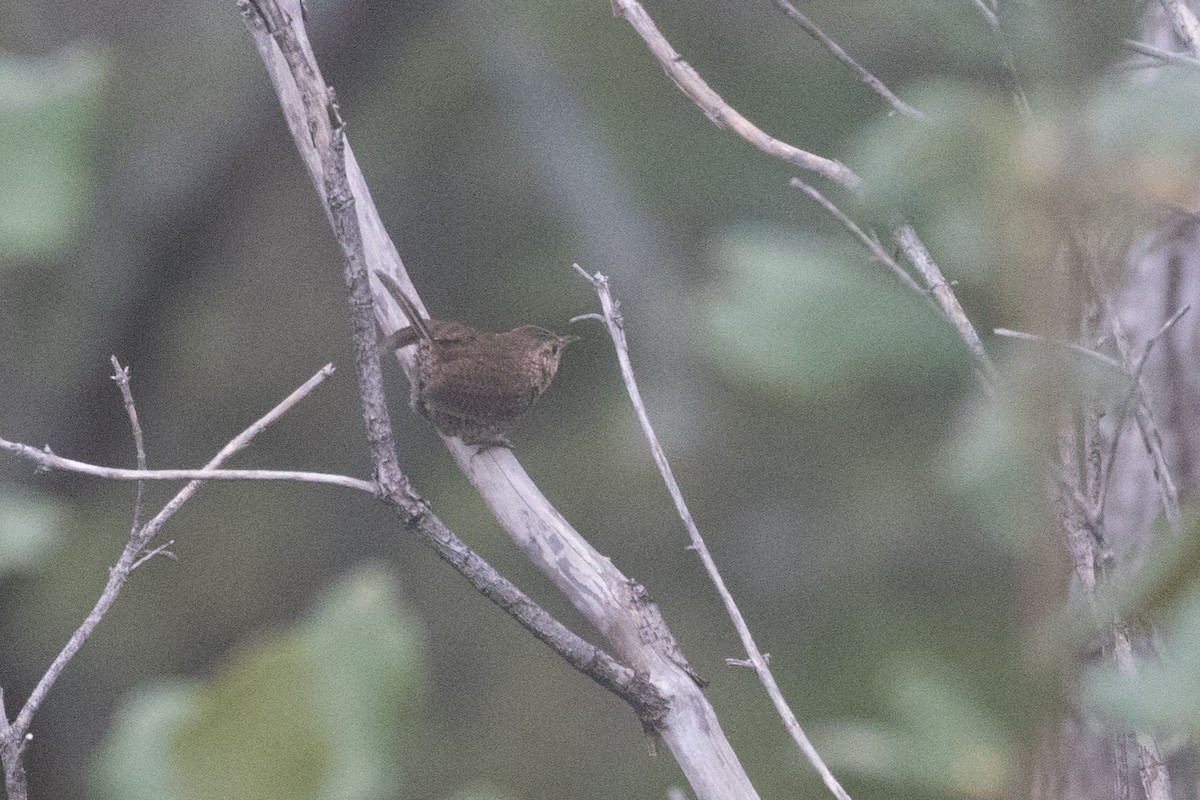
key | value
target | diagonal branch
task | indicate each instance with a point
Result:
(714, 106)
(876, 85)
(1162, 56)
(391, 483)
(919, 257)
(614, 604)
(616, 330)
(992, 18)
(1136, 389)
(869, 241)
(1143, 413)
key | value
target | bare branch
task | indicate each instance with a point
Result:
(716, 109)
(919, 257)
(12, 750)
(392, 485)
(615, 605)
(871, 242)
(616, 330)
(121, 376)
(1136, 388)
(162, 550)
(1080, 540)
(120, 572)
(991, 16)
(1143, 414)
(47, 460)
(1163, 56)
(1078, 348)
(863, 74)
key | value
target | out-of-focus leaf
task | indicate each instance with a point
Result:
(1163, 694)
(255, 729)
(1171, 575)
(317, 711)
(364, 653)
(30, 524)
(49, 113)
(943, 740)
(990, 466)
(1144, 141)
(813, 317)
(944, 174)
(135, 762)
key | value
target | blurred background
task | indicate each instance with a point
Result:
(874, 516)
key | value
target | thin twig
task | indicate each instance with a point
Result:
(342, 208)
(1143, 414)
(163, 549)
(1163, 56)
(714, 106)
(992, 17)
(869, 241)
(121, 376)
(988, 14)
(1078, 348)
(47, 460)
(1127, 404)
(120, 572)
(863, 74)
(615, 325)
(1080, 541)
(920, 258)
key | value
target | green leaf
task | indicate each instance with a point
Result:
(1142, 138)
(319, 710)
(135, 763)
(944, 175)
(813, 317)
(943, 740)
(1170, 578)
(991, 466)
(50, 112)
(30, 526)
(1162, 694)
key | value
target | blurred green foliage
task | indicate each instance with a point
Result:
(946, 175)
(320, 710)
(1159, 691)
(873, 513)
(30, 527)
(778, 319)
(50, 113)
(942, 738)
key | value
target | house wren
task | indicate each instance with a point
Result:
(470, 383)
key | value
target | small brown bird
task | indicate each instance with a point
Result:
(470, 383)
